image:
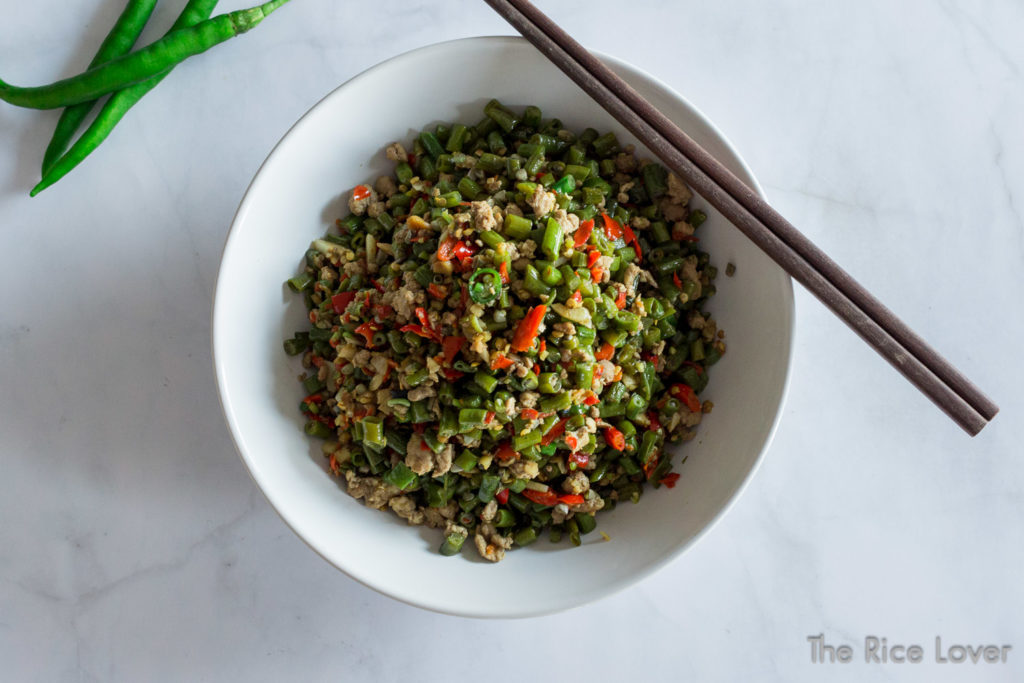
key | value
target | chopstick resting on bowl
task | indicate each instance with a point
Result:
(949, 389)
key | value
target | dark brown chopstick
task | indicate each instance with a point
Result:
(875, 323)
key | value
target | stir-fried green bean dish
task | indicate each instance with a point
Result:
(506, 332)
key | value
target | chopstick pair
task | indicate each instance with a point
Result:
(950, 390)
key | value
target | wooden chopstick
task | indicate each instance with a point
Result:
(876, 324)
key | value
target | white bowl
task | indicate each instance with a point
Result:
(298, 193)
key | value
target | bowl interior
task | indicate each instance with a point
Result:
(300, 191)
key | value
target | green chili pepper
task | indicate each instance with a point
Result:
(118, 42)
(485, 286)
(138, 66)
(118, 105)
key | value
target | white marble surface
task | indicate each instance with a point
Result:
(135, 547)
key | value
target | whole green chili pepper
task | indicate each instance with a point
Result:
(118, 42)
(118, 105)
(140, 65)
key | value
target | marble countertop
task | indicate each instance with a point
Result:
(135, 547)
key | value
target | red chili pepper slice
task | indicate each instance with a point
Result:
(605, 352)
(502, 496)
(686, 394)
(505, 452)
(675, 279)
(554, 433)
(615, 438)
(572, 442)
(451, 375)
(620, 300)
(463, 251)
(437, 291)
(591, 399)
(670, 479)
(571, 499)
(596, 272)
(579, 458)
(376, 285)
(649, 467)
(446, 249)
(655, 422)
(528, 328)
(542, 497)
(500, 362)
(361, 192)
(451, 347)
(421, 315)
(416, 329)
(631, 239)
(611, 227)
(583, 234)
(577, 297)
(592, 257)
(503, 272)
(367, 329)
(529, 414)
(341, 301)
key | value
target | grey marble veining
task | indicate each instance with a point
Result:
(135, 547)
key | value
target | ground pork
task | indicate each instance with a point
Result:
(405, 507)
(489, 511)
(483, 216)
(576, 483)
(524, 469)
(421, 460)
(395, 152)
(590, 505)
(678, 192)
(359, 206)
(422, 392)
(568, 222)
(541, 201)
(442, 516)
(418, 456)
(625, 162)
(386, 186)
(490, 544)
(375, 491)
